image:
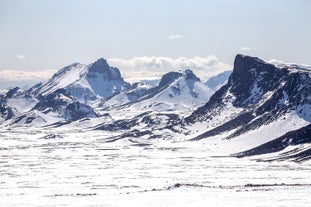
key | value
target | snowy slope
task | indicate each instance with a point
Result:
(22, 104)
(69, 95)
(3, 91)
(63, 78)
(218, 80)
(86, 82)
(137, 91)
(260, 103)
(187, 92)
(16, 102)
(179, 92)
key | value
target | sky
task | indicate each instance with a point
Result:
(44, 35)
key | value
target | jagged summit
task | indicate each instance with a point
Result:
(169, 78)
(259, 101)
(258, 96)
(103, 80)
(176, 91)
(247, 58)
(189, 75)
(245, 65)
(101, 66)
(172, 76)
(101, 63)
(86, 82)
(181, 90)
(252, 76)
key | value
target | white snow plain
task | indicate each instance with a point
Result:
(58, 167)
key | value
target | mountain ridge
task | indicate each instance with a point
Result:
(247, 103)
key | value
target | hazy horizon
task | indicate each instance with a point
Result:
(48, 35)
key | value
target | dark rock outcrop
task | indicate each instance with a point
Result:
(261, 93)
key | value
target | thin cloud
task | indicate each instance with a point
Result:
(14, 75)
(175, 36)
(281, 62)
(152, 67)
(23, 79)
(246, 49)
(133, 69)
(277, 62)
(136, 76)
(21, 57)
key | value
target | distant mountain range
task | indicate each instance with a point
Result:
(261, 102)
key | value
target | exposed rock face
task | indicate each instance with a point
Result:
(76, 110)
(252, 78)
(55, 102)
(169, 78)
(299, 136)
(257, 94)
(189, 75)
(104, 80)
(176, 90)
(86, 83)
(257, 97)
(6, 112)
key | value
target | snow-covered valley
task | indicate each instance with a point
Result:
(74, 168)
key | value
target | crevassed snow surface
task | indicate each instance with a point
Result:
(42, 167)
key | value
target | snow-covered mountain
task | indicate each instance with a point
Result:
(68, 95)
(262, 106)
(86, 82)
(88, 91)
(179, 91)
(143, 110)
(176, 91)
(265, 107)
(261, 102)
(258, 93)
(15, 102)
(219, 80)
(6, 112)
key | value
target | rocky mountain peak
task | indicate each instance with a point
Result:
(169, 78)
(99, 65)
(252, 76)
(244, 68)
(101, 68)
(257, 94)
(12, 92)
(189, 75)
(172, 76)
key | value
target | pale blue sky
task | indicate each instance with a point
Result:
(51, 34)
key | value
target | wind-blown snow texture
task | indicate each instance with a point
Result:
(73, 167)
(255, 104)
